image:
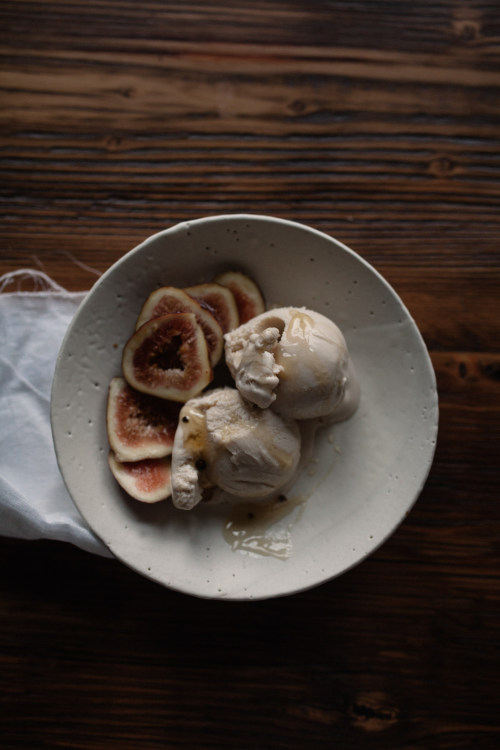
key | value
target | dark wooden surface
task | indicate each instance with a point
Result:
(376, 122)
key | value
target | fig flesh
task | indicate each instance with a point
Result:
(170, 299)
(168, 357)
(148, 481)
(218, 300)
(247, 295)
(139, 425)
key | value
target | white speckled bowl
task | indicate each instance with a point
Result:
(366, 473)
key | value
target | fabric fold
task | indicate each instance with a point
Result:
(34, 502)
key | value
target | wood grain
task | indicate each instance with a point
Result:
(377, 123)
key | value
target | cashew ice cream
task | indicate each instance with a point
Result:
(228, 445)
(296, 361)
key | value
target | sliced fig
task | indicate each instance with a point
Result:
(167, 357)
(139, 426)
(218, 300)
(170, 299)
(148, 481)
(248, 297)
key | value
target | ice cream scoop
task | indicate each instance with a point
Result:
(295, 360)
(225, 443)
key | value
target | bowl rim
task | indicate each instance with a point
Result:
(261, 218)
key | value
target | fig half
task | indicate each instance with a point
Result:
(218, 300)
(247, 295)
(148, 481)
(139, 426)
(170, 299)
(168, 357)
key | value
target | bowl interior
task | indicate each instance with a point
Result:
(365, 474)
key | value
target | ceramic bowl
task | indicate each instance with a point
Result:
(365, 474)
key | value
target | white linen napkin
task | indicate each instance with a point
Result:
(34, 502)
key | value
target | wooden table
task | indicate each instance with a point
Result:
(377, 123)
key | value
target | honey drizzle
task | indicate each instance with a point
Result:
(256, 527)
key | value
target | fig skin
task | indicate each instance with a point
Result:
(148, 481)
(218, 300)
(247, 295)
(139, 425)
(170, 299)
(168, 357)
